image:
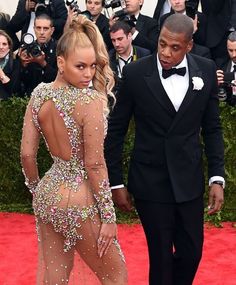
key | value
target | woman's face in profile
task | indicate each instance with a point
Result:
(79, 67)
(4, 46)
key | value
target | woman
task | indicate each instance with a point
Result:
(7, 68)
(72, 202)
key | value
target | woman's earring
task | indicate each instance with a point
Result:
(61, 71)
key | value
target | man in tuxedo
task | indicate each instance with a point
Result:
(145, 29)
(172, 96)
(124, 52)
(221, 19)
(162, 7)
(227, 72)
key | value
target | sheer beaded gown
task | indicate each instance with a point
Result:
(73, 197)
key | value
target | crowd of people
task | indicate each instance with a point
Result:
(165, 72)
(211, 31)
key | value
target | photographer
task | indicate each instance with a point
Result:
(27, 10)
(144, 29)
(38, 59)
(226, 75)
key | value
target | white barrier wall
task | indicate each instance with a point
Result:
(9, 6)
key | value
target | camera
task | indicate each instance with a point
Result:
(30, 45)
(191, 7)
(227, 90)
(119, 9)
(73, 5)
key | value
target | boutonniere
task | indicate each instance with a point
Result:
(197, 83)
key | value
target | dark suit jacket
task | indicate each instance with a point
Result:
(158, 9)
(21, 19)
(166, 162)
(103, 26)
(148, 33)
(201, 51)
(218, 16)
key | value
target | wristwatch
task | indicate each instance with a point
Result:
(218, 183)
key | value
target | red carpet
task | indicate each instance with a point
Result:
(18, 253)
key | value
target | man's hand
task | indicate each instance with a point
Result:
(39, 59)
(220, 76)
(216, 198)
(121, 199)
(24, 57)
(29, 5)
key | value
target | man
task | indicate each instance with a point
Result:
(41, 66)
(145, 29)
(26, 11)
(124, 52)
(221, 20)
(166, 173)
(227, 73)
(95, 7)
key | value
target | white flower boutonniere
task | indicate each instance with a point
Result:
(197, 83)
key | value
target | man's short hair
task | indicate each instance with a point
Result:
(179, 24)
(232, 37)
(121, 25)
(44, 17)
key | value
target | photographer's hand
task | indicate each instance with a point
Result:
(30, 5)
(112, 20)
(24, 57)
(39, 59)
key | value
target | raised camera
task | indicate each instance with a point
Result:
(30, 45)
(191, 7)
(73, 5)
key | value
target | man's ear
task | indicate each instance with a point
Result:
(190, 46)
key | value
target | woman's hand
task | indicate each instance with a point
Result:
(107, 234)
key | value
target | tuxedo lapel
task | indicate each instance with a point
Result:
(157, 90)
(194, 71)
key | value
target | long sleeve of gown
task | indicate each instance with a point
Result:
(29, 148)
(93, 123)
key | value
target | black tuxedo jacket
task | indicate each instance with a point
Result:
(148, 33)
(158, 9)
(166, 162)
(201, 51)
(218, 16)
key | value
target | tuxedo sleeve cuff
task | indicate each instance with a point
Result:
(117, 186)
(217, 178)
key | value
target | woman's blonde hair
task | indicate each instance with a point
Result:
(84, 33)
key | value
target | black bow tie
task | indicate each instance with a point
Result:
(168, 72)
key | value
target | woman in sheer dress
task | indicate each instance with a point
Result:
(75, 216)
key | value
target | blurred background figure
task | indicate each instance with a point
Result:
(144, 28)
(37, 58)
(27, 10)
(226, 74)
(163, 7)
(95, 7)
(7, 66)
(123, 52)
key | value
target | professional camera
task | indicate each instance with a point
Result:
(119, 9)
(30, 45)
(227, 90)
(74, 6)
(191, 7)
